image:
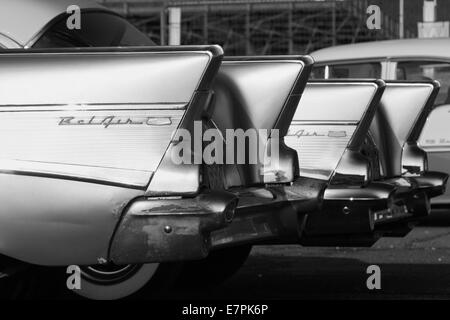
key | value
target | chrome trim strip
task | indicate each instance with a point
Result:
(120, 147)
(440, 149)
(93, 107)
(114, 176)
(324, 123)
(70, 178)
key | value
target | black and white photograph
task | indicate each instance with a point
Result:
(221, 156)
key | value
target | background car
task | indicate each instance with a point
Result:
(409, 59)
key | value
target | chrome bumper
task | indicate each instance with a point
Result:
(170, 229)
(349, 210)
(307, 211)
(271, 215)
(432, 183)
(359, 216)
(166, 229)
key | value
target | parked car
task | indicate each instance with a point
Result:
(90, 119)
(409, 59)
(348, 136)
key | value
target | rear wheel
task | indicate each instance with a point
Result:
(110, 282)
(98, 282)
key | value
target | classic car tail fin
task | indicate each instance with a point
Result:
(258, 93)
(398, 123)
(104, 115)
(251, 96)
(83, 131)
(329, 127)
(389, 139)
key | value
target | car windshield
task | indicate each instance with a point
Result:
(98, 29)
(346, 71)
(427, 70)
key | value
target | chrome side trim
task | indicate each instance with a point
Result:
(324, 123)
(121, 147)
(93, 107)
(110, 176)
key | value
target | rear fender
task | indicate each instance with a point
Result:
(329, 127)
(83, 133)
(398, 122)
(260, 93)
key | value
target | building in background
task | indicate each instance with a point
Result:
(250, 27)
(430, 27)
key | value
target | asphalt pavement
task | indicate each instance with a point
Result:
(414, 267)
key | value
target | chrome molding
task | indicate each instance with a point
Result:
(122, 147)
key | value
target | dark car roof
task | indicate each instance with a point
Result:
(22, 20)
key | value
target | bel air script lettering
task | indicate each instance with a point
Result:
(305, 133)
(109, 121)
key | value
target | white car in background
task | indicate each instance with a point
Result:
(409, 59)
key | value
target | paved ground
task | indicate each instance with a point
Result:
(417, 266)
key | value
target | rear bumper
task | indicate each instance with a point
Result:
(432, 183)
(164, 230)
(350, 210)
(359, 216)
(170, 229)
(178, 229)
(315, 214)
(270, 215)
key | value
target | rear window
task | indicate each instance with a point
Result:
(427, 70)
(348, 71)
(98, 29)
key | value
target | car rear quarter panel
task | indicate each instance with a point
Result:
(63, 187)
